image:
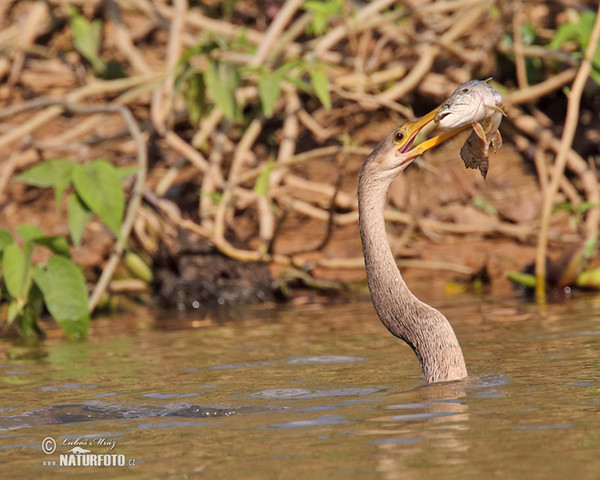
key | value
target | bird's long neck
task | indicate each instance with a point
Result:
(425, 329)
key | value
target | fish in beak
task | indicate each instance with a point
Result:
(405, 136)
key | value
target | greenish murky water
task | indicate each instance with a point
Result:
(308, 392)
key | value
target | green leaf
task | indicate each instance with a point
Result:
(222, 79)
(29, 314)
(65, 294)
(138, 267)
(320, 83)
(56, 243)
(47, 174)
(261, 187)
(99, 186)
(579, 32)
(322, 12)
(15, 307)
(86, 38)
(29, 232)
(16, 266)
(5, 239)
(564, 33)
(528, 34)
(524, 279)
(79, 216)
(202, 48)
(269, 91)
(53, 173)
(565, 206)
(300, 84)
(589, 278)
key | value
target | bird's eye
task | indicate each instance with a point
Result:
(446, 105)
(399, 136)
(465, 90)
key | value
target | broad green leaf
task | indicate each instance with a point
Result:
(99, 186)
(261, 187)
(65, 294)
(269, 91)
(47, 174)
(29, 232)
(579, 32)
(16, 267)
(87, 38)
(320, 82)
(53, 173)
(56, 243)
(79, 216)
(222, 79)
(5, 239)
(564, 33)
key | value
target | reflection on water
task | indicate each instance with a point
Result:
(313, 392)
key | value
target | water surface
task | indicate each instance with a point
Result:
(310, 392)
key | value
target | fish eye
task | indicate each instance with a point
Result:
(399, 136)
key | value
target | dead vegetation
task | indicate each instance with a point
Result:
(256, 116)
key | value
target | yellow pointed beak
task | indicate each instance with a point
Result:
(419, 123)
(414, 127)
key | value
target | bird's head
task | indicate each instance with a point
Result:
(394, 153)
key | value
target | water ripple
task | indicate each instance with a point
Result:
(324, 359)
(284, 393)
(312, 422)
